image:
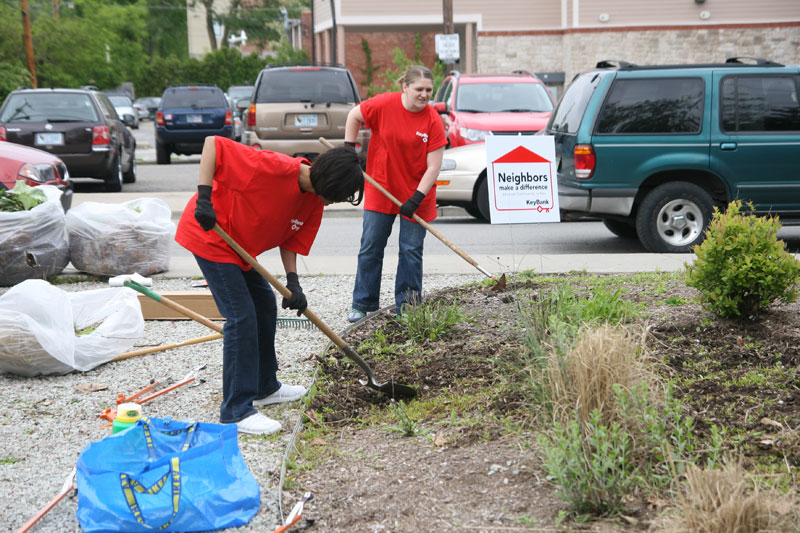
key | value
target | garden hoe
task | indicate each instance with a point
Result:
(500, 284)
(391, 389)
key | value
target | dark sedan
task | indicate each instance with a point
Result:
(78, 125)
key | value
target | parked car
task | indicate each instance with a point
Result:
(187, 115)
(150, 104)
(462, 180)
(293, 106)
(239, 99)
(653, 149)
(35, 167)
(124, 107)
(78, 125)
(476, 105)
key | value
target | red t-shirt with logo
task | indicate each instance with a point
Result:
(258, 202)
(398, 152)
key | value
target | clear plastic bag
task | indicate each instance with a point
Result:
(45, 330)
(34, 243)
(115, 239)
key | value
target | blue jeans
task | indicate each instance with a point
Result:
(249, 363)
(408, 282)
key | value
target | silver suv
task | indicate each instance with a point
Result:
(293, 106)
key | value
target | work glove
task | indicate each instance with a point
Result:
(351, 144)
(204, 210)
(298, 299)
(411, 205)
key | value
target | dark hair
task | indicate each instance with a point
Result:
(336, 175)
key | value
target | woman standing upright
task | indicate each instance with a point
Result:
(405, 155)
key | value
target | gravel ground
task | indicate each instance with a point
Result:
(45, 422)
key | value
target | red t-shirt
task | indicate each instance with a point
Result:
(258, 202)
(398, 152)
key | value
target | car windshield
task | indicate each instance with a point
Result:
(49, 107)
(194, 97)
(235, 93)
(120, 101)
(502, 97)
(314, 85)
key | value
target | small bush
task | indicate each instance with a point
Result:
(741, 266)
(430, 321)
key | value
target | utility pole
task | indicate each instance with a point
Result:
(55, 9)
(28, 39)
(333, 29)
(447, 12)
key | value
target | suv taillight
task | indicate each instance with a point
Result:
(159, 118)
(101, 135)
(228, 118)
(251, 115)
(3, 134)
(585, 160)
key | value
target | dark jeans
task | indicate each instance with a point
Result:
(408, 282)
(249, 363)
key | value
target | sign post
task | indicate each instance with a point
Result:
(521, 178)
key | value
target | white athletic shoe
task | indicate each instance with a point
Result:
(258, 424)
(287, 393)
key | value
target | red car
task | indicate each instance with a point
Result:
(36, 167)
(473, 106)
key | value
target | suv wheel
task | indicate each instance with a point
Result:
(162, 154)
(114, 178)
(673, 217)
(626, 230)
(129, 176)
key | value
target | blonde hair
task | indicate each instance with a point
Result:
(413, 74)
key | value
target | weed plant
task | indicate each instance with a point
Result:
(741, 266)
(406, 426)
(430, 321)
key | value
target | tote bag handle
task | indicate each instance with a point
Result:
(130, 486)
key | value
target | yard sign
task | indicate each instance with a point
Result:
(522, 179)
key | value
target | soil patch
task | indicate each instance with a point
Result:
(483, 472)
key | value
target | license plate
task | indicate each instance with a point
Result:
(194, 119)
(305, 121)
(49, 139)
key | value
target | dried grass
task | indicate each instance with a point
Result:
(584, 378)
(725, 501)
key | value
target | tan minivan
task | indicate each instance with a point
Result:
(293, 106)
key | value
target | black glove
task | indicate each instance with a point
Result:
(351, 144)
(298, 299)
(204, 210)
(411, 205)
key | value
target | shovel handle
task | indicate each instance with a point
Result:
(418, 219)
(173, 305)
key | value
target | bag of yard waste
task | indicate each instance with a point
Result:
(45, 330)
(115, 239)
(33, 236)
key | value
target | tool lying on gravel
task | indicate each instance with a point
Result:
(69, 484)
(500, 284)
(296, 514)
(175, 306)
(163, 347)
(156, 387)
(394, 390)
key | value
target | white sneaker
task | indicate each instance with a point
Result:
(287, 393)
(258, 424)
(355, 315)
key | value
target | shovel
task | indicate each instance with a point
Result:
(391, 389)
(500, 284)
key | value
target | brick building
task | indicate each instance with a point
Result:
(556, 38)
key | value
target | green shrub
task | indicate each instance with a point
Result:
(430, 321)
(741, 266)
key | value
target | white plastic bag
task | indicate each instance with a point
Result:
(38, 324)
(33, 244)
(114, 239)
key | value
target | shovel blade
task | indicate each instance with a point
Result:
(396, 391)
(501, 284)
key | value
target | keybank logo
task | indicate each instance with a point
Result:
(424, 136)
(296, 224)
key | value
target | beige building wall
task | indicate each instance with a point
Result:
(199, 44)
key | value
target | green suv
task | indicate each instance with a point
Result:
(652, 149)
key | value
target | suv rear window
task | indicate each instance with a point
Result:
(314, 85)
(496, 97)
(49, 107)
(196, 97)
(567, 116)
(760, 103)
(653, 105)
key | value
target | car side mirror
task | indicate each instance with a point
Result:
(440, 107)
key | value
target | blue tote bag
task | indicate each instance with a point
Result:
(164, 475)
